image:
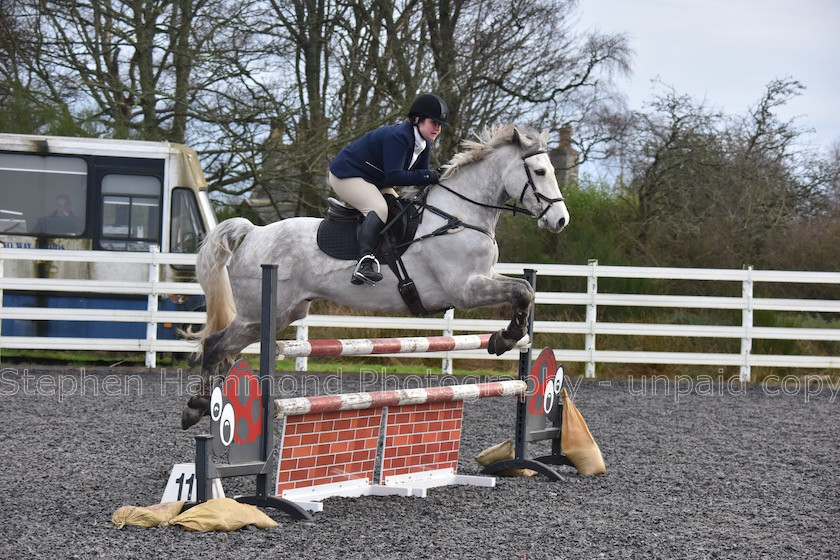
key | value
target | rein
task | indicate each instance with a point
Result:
(509, 207)
(454, 222)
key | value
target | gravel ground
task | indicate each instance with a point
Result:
(695, 470)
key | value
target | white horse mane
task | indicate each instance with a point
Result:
(488, 140)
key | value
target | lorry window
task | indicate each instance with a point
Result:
(186, 228)
(130, 212)
(42, 195)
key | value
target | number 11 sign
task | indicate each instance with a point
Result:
(181, 484)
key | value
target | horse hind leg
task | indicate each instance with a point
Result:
(219, 348)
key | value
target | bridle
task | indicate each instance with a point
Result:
(516, 209)
(455, 223)
(530, 183)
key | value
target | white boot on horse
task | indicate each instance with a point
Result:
(449, 270)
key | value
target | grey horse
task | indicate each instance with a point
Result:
(454, 270)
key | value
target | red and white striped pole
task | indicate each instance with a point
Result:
(379, 399)
(374, 346)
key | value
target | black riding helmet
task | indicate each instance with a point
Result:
(431, 106)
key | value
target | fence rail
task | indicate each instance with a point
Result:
(591, 300)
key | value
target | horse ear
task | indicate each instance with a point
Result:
(516, 138)
(523, 141)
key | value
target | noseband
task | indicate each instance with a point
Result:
(537, 194)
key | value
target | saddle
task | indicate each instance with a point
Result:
(337, 238)
(337, 233)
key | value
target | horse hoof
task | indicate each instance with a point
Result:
(197, 408)
(498, 344)
(190, 417)
(201, 403)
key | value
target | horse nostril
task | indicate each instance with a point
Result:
(561, 223)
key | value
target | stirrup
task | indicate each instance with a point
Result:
(359, 276)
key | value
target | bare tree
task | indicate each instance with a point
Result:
(268, 90)
(717, 190)
(28, 104)
(498, 61)
(355, 66)
(129, 64)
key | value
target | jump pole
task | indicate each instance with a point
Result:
(377, 346)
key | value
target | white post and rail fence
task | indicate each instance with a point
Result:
(591, 299)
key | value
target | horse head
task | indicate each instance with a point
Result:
(529, 178)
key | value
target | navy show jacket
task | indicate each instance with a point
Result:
(383, 157)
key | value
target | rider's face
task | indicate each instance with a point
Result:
(429, 129)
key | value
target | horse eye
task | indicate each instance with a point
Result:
(540, 172)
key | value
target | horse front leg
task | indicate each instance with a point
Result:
(484, 291)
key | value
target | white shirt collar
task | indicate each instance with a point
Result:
(419, 141)
(419, 146)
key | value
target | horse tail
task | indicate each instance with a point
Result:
(211, 272)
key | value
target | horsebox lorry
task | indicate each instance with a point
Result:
(89, 194)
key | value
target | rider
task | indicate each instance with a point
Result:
(371, 166)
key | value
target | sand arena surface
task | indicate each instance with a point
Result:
(695, 470)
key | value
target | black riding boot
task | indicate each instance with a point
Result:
(367, 270)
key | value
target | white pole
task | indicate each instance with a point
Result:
(747, 324)
(152, 307)
(446, 364)
(591, 316)
(302, 362)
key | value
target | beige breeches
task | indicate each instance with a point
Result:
(361, 195)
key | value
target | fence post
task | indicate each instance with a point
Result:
(152, 307)
(302, 333)
(591, 315)
(747, 324)
(446, 364)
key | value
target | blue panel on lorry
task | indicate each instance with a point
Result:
(89, 329)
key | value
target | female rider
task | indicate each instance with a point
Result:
(377, 162)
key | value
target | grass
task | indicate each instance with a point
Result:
(329, 365)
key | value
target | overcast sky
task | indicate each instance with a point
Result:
(727, 51)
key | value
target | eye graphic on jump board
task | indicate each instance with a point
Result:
(216, 404)
(227, 424)
(552, 390)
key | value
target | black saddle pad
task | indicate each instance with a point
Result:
(338, 238)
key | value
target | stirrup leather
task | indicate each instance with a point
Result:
(359, 277)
